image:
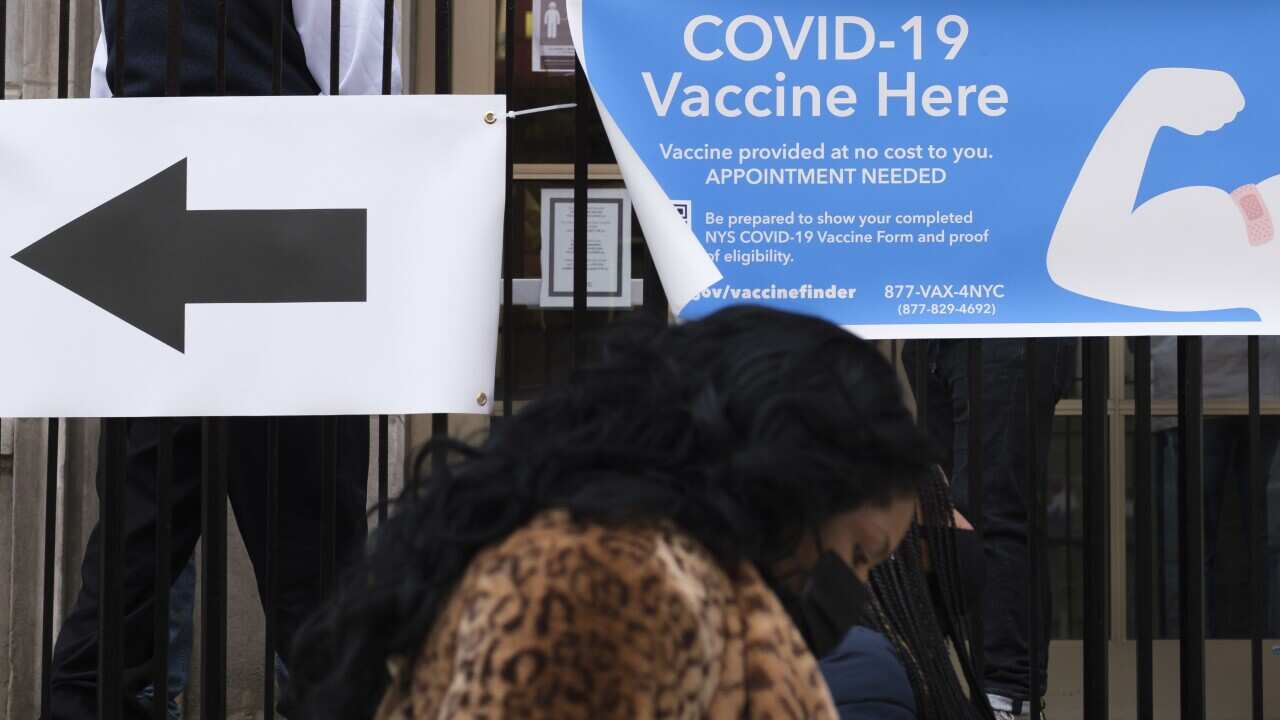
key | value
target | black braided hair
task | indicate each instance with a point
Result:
(746, 429)
(924, 630)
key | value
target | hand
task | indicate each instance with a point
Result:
(1189, 100)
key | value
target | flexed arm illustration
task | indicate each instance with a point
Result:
(1193, 248)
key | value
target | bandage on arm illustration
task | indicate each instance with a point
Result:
(1192, 248)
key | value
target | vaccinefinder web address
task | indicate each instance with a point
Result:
(773, 292)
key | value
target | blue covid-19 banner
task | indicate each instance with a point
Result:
(917, 168)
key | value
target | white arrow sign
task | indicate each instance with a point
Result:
(249, 256)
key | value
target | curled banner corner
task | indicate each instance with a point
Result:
(682, 263)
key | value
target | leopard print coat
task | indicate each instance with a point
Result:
(577, 622)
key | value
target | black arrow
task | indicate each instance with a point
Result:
(142, 256)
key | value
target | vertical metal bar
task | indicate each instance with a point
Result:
(581, 160)
(384, 451)
(277, 49)
(111, 514)
(510, 257)
(444, 47)
(444, 86)
(220, 21)
(1191, 522)
(213, 576)
(64, 45)
(173, 50)
(213, 665)
(1068, 538)
(271, 591)
(328, 426)
(1257, 524)
(1162, 551)
(388, 40)
(4, 32)
(50, 549)
(1035, 528)
(335, 47)
(51, 440)
(976, 478)
(164, 458)
(1097, 496)
(273, 569)
(1143, 527)
(111, 524)
(118, 50)
(439, 431)
(328, 504)
(920, 378)
(163, 574)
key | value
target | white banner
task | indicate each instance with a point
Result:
(250, 256)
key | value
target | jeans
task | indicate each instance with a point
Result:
(299, 535)
(1226, 470)
(182, 602)
(1006, 616)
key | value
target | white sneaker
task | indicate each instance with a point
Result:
(1008, 715)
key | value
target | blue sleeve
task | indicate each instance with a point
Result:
(867, 680)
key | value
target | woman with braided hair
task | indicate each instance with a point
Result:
(676, 534)
(899, 665)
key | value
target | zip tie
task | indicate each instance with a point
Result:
(532, 111)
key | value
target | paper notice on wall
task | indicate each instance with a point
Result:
(608, 248)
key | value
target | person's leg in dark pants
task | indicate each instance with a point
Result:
(1226, 469)
(300, 530)
(1270, 448)
(75, 658)
(299, 541)
(1164, 448)
(1006, 619)
(1225, 463)
(939, 404)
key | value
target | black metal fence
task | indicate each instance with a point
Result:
(1095, 368)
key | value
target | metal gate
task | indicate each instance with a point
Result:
(1095, 418)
